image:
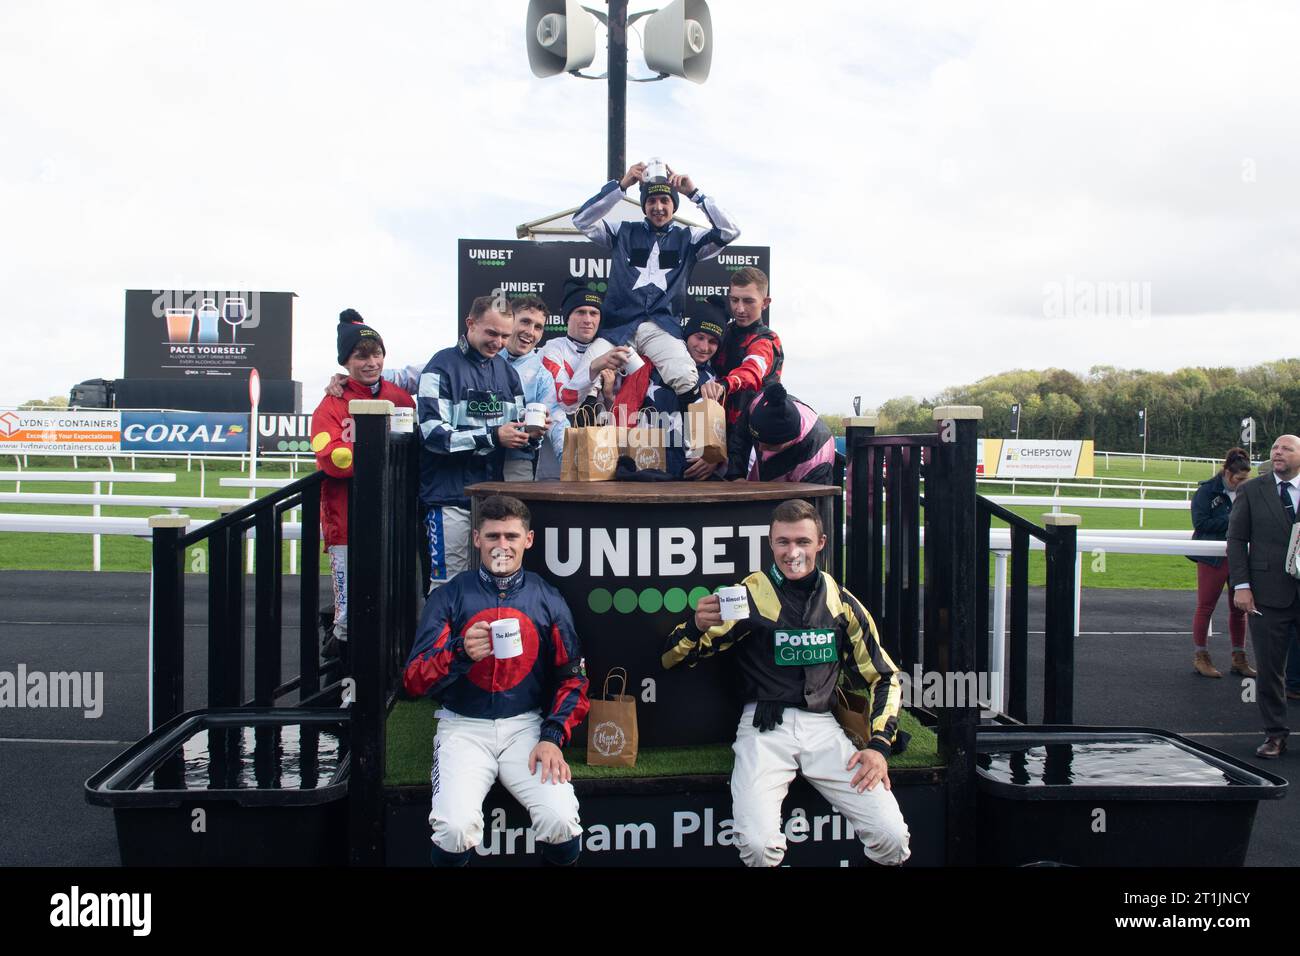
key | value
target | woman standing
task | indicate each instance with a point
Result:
(1210, 509)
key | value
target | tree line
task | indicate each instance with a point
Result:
(1193, 411)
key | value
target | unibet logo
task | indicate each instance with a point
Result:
(653, 552)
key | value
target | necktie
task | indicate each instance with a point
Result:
(1284, 489)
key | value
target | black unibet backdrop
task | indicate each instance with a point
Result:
(167, 337)
(627, 571)
(525, 267)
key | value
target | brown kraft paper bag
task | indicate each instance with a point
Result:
(594, 454)
(706, 431)
(611, 726)
(851, 713)
(646, 446)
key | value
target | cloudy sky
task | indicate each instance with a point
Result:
(948, 189)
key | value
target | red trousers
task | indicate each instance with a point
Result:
(1209, 585)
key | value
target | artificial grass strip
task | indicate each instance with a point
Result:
(410, 752)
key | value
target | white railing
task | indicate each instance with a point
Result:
(1141, 505)
(96, 479)
(97, 525)
(1214, 463)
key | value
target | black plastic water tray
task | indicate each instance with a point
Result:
(1113, 796)
(262, 786)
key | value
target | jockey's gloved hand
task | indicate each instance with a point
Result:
(767, 714)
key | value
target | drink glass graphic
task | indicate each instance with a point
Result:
(209, 321)
(179, 322)
(235, 313)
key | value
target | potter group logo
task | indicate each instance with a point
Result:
(9, 423)
(608, 739)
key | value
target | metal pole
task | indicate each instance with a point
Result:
(1058, 644)
(166, 619)
(617, 88)
(998, 652)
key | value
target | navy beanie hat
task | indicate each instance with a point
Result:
(774, 420)
(655, 189)
(578, 294)
(704, 318)
(352, 329)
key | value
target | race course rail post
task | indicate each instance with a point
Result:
(1058, 648)
(860, 527)
(167, 619)
(226, 613)
(369, 520)
(951, 611)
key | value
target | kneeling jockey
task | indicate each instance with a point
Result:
(803, 634)
(501, 718)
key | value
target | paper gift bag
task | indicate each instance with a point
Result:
(851, 712)
(706, 431)
(611, 726)
(590, 451)
(646, 446)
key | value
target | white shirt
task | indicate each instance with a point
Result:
(1293, 489)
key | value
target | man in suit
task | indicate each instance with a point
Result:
(1262, 516)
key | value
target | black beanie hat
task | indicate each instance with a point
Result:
(352, 329)
(654, 189)
(704, 318)
(775, 420)
(578, 294)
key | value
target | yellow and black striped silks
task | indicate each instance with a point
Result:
(862, 661)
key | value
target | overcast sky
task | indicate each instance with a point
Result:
(945, 187)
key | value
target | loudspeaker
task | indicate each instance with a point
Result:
(561, 36)
(679, 40)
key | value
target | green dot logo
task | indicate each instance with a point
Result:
(696, 595)
(282, 446)
(651, 601)
(675, 600)
(625, 600)
(600, 601)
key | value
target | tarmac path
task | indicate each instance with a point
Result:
(1132, 667)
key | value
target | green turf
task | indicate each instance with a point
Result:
(410, 752)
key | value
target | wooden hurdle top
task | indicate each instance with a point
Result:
(651, 492)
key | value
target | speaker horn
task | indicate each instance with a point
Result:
(679, 40)
(561, 37)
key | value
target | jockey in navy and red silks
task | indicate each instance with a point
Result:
(500, 718)
(651, 264)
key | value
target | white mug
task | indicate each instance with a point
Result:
(535, 415)
(634, 362)
(506, 640)
(402, 421)
(656, 171)
(735, 602)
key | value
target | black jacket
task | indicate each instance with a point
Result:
(1210, 509)
(859, 660)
